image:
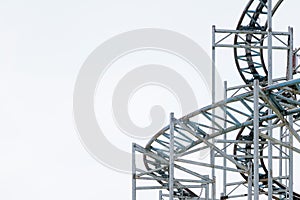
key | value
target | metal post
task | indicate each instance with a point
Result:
(286, 167)
(270, 82)
(291, 153)
(171, 158)
(250, 182)
(280, 155)
(270, 45)
(296, 60)
(160, 195)
(291, 54)
(207, 190)
(133, 173)
(225, 144)
(256, 139)
(212, 155)
(213, 84)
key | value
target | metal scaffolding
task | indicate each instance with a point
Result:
(249, 135)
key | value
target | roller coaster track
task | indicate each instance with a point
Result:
(197, 130)
(251, 63)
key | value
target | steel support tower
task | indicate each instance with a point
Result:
(251, 135)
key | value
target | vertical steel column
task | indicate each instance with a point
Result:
(256, 139)
(171, 158)
(133, 173)
(213, 80)
(207, 190)
(270, 82)
(291, 54)
(291, 153)
(296, 59)
(212, 153)
(160, 195)
(250, 181)
(286, 167)
(280, 155)
(225, 144)
(270, 45)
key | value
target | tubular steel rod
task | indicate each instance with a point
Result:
(160, 195)
(225, 144)
(256, 139)
(291, 153)
(171, 158)
(212, 152)
(207, 191)
(281, 154)
(133, 173)
(270, 82)
(250, 47)
(250, 32)
(250, 182)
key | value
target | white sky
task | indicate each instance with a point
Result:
(42, 47)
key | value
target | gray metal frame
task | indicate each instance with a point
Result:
(258, 117)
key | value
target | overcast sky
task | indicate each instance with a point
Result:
(43, 45)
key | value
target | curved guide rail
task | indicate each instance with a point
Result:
(196, 130)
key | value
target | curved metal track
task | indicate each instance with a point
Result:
(245, 149)
(254, 69)
(199, 127)
(250, 63)
(195, 128)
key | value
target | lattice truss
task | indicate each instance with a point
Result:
(204, 128)
(184, 159)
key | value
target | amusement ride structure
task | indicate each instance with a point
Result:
(250, 136)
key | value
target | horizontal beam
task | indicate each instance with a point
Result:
(250, 47)
(250, 32)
